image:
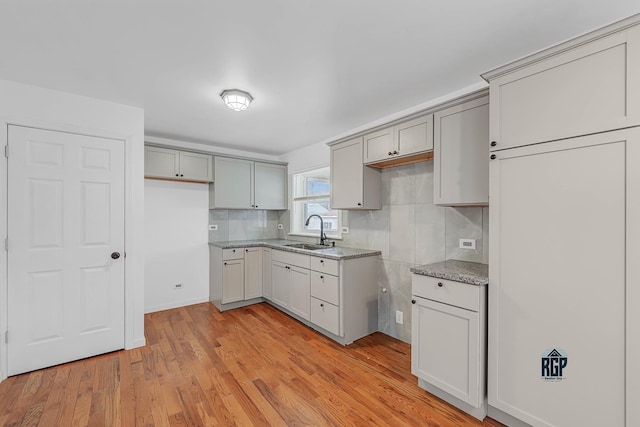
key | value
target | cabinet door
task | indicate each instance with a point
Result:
(232, 281)
(560, 275)
(252, 273)
(233, 183)
(300, 288)
(379, 145)
(266, 273)
(588, 89)
(161, 162)
(461, 161)
(196, 166)
(445, 348)
(347, 175)
(280, 284)
(270, 186)
(414, 136)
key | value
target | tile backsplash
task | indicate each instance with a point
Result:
(409, 230)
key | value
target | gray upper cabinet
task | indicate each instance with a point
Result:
(246, 184)
(270, 186)
(461, 160)
(404, 139)
(166, 163)
(580, 91)
(353, 185)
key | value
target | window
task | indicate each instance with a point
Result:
(311, 191)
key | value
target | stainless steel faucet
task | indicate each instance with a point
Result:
(323, 236)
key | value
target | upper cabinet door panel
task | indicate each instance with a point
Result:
(196, 166)
(270, 186)
(591, 88)
(233, 183)
(161, 162)
(379, 145)
(461, 161)
(347, 175)
(415, 135)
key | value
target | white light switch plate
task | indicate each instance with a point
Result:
(213, 227)
(399, 317)
(345, 230)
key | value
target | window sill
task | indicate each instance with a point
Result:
(315, 235)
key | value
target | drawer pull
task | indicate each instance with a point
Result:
(321, 261)
(322, 277)
(440, 284)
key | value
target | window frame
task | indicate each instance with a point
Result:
(296, 217)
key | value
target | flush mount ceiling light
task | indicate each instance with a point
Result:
(236, 100)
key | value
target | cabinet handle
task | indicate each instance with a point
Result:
(234, 251)
(322, 277)
(493, 156)
(246, 250)
(321, 261)
(390, 153)
(359, 204)
(395, 152)
(493, 143)
(440, 284)
(413, 301)
(225, 263)
(256, 206)
(181, 175)
(177, 175)
(321, 305)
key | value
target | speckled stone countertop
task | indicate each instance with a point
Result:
(472, 273)
(337, 253)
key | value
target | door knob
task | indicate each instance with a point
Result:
(115, 255)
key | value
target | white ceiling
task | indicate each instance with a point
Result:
(316, 68)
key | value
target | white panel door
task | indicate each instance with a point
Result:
(65, 222)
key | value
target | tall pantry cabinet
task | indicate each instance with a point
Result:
(564, 276)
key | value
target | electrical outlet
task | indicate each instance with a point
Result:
(213, 227)
(280, 226)
(399, 317)
(467, 243)
(345, 230)
(178, 286)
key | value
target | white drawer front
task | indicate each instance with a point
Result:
(228, 254)
(325, 315)
(449, 292)
(323, 265)
(290, 258)
(325, 287)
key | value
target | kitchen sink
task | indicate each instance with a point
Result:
(308, 246)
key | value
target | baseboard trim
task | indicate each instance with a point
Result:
(175, 304)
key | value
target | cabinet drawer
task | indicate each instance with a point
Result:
(325, 287)
(291, 258)
(446, 291)
(323, 265)
(325, 315)
(237, 253)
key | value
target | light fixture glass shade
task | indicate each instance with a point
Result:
(236, 100)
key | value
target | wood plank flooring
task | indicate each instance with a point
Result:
(253, 366)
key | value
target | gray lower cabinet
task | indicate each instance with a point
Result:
(235, 276)
(448, 341)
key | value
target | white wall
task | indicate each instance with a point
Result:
(176, 237)
(48, 109)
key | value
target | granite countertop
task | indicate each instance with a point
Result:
(330, 252)
(472, 273)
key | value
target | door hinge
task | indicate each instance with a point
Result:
(6, 150)
(6, 337)
(6, 244)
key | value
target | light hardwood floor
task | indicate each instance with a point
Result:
(253, 366)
